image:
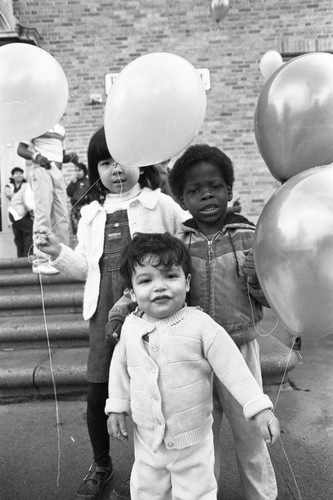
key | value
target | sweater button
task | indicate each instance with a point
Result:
(155, 347)
(170, 444)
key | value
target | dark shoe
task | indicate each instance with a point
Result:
(94, 482)
(122, 492)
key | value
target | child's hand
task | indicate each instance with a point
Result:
(269, 426)
(47, 242)
(117, 426)
(249, 268)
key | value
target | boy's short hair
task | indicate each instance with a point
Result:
(169, 250)
(17, 169)
(194, 155)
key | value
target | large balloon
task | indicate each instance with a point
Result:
(294, 116)
(293, 252)
(270, 62)
(154, 109)
(33, 92)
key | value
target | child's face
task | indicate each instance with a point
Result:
(159, 292)
(79, 173)
(206, 196)
(117, 178)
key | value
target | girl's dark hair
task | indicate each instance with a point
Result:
(169, 250)
(82, 167)
(194, 155)
(98, 151)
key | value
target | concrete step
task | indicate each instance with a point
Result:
(28, 373)
(15, 265)
(32, 331)
(62, 301)
(27, 281)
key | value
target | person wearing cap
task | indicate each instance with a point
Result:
(78, 191)
(47, 153)
(20, 210)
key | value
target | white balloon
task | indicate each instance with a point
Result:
(154, 109)
(270, 62)
(33, 92)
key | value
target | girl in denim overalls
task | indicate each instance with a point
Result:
(127, 200)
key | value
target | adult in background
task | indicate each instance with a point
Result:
(47, 153)
(20, 209)
(78, 191)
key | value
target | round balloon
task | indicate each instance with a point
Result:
(293, 121)
(33, 92)
(154, 109)
(293, 252)
(219, 9)
(270, 62)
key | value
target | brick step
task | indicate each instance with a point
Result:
(31, 331)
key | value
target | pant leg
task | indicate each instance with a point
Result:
(42, 188)
(97, 423)
(192, 471)
(18, 239)
(59, 210)
(217, 423)
(150, 479)
(254, 464)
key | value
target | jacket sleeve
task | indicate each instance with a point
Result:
(233, 372)
(117, 315)
(119, 382)
(71, 189)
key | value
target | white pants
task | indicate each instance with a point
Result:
(170, 474)
(254, 464)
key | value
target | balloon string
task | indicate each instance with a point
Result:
(261, 333)
(73, 206)
(282, 380)
(52, 375)
(46, 326)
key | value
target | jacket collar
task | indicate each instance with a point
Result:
(142, 327)
(232, 220)
(148, 198)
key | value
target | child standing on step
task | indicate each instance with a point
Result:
(127, 200)
(161, 373)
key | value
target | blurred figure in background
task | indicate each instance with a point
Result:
(47, 153)
(20, 210)
(78, 191)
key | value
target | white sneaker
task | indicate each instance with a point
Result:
(44, 268)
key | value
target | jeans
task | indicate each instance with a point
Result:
(49, 190)
(254, 464)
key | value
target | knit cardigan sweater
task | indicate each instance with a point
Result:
(151, 211)
(167, 385)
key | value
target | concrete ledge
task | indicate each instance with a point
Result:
(63, 329)
(34, 300)
(31, 279)
(27, 371)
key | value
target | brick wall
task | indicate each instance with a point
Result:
(92, 38)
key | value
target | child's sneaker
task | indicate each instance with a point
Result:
(94, 482)
(122, 492)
